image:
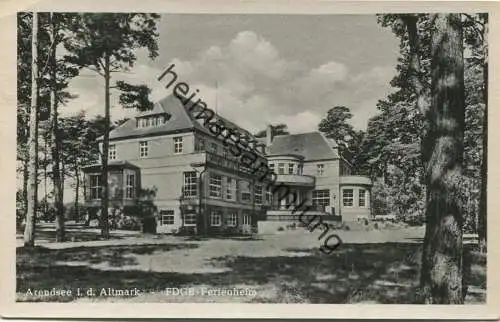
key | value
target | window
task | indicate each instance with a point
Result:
(190, 219)
(199, 145)
(269, 196)
(290, 168)
(112, 152)
(143, 149)
(215, 185)
(178, 145)
(95, 186)
(230, 189)
(300, 169)
(245, 191)
(231, 219)
(271, 167)
(190, 184)
(225, 153)
(167, 217)
(154, 121)
(362, 198)
(247, 219)
(215, 218)
(281, 168)
(258, 194)
(214, 148)
(321, 197)
(321, 169)
(129, 185)
(347, 197)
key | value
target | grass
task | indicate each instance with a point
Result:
(370, 267)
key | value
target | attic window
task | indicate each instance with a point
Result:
(152, 121)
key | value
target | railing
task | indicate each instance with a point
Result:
(226, 163)
(355, 180)
(296, 179)
(291, 207)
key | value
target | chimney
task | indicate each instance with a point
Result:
(269, 135)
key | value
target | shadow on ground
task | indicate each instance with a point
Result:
(356, 273)
(74, 233)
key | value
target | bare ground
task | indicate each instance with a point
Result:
(377, 266)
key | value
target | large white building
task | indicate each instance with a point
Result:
(198, 184)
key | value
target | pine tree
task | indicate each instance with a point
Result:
(105, 43)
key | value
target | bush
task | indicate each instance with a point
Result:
(281, 229)
(246, 230)
(346, 227)
(186, 231)
(129, 223)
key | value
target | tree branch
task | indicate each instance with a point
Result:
(423, 101)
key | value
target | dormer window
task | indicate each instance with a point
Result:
(151, 121)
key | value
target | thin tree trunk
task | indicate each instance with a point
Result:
(25, 183)
(77, 191)
(56, 143)
(45, 174)
(442, 266)
(105, 147)
(32, 187)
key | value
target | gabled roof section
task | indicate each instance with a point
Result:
(195, 110)
(157, 110)
(312, 146)
(179, 121)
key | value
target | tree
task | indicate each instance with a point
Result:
(32, 188)
(105, 43)
(441, 272)
(335, 126)
(475, 34)
(278, 129)
(60, 72)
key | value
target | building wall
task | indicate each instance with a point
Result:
(159, 147)
(355, 212)
(328, 180)
(163, 170)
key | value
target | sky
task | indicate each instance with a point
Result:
(260, 69)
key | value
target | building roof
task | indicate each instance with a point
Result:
(111, 164)
(312, 146)
(179, 120)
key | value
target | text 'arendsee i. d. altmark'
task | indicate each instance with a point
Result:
(240, 148)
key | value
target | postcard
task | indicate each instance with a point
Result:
(250, 159)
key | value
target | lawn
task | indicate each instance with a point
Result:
(370, 267)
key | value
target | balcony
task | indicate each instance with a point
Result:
(355, 180)
(296, 179)
(227, 164)
(284, 208)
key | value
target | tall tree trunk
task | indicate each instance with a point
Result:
(105, 147)
(77, 191)
(32, 188)
(56, 140)
(483, 216)
(25, 183)
(442, 261)
(45, 176)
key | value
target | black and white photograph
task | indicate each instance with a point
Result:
(273, 158)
